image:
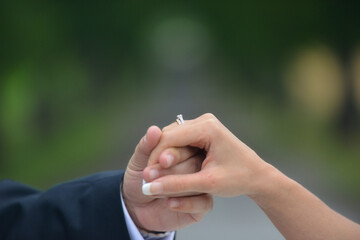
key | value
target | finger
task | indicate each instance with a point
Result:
(172, 156)
(179, 184)
(170, 126)
(139, 160)
(198, 134)
(187, 122)
(175, 125)
(191, 165)
(193, 204)
(149, 141)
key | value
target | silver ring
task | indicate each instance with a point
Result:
(179, 119)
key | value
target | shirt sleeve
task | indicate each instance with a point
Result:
(134, 231)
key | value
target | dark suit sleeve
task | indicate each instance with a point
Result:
(86, 208)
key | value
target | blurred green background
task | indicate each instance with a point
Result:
(80, 82)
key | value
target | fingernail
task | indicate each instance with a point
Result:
(174, 203)
(152, 188)
(169, 159)
(153, 174)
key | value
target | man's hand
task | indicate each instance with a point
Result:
(153, 214)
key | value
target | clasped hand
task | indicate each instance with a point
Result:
(160, 214)
(186, 164)
(230, 168)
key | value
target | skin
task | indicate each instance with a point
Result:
(231, 168)
(152, 214)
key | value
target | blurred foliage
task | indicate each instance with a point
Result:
(70, 71)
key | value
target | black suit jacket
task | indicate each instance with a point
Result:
(86, 208)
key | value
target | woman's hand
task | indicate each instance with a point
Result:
(230, 168)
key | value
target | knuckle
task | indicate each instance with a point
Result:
(209, 182)
(209, 115)
(212, 122)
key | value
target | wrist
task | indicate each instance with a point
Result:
(270, 185)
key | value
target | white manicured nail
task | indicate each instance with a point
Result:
(146, 189)
(152, 188)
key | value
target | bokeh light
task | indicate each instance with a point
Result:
(315, 83)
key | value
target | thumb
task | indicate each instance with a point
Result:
(144, 148)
